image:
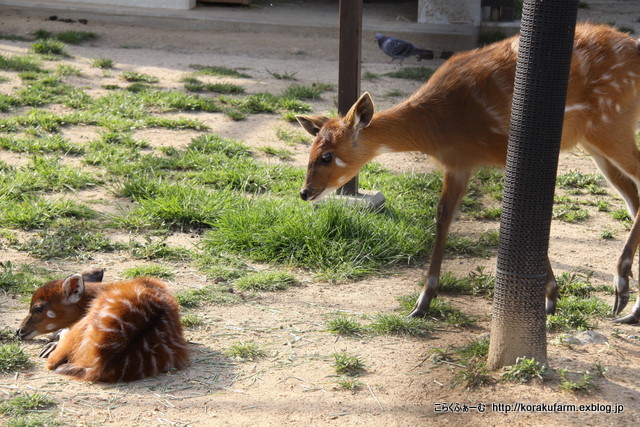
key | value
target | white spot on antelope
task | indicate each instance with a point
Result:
(340, 163)
(50, 326)
(575, 107)
(51, 314)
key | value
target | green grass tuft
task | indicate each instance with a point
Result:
(12, 359)
(245, 351)
(347, 364)
(266, 281)
(400, 325)
(158, 271)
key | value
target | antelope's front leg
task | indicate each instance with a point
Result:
(453, 188)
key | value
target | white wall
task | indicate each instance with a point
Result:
(155, 4)
(449, 12)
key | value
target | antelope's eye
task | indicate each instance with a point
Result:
(37, 309)
(326, 157)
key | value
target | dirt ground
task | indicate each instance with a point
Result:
(295, 383)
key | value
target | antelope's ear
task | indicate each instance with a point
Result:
(360, 115)
(95, 275)
(72, 289)
(312, 124)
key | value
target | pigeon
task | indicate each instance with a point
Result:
(400, 49)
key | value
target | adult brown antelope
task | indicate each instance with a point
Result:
(119, 331)
(460, 117)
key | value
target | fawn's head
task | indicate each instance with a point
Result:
(57, 304)
(336, 155)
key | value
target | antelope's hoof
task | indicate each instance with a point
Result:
(620, 302)
(550, 307)
(47, 349)
(418, 312)
(629, 319)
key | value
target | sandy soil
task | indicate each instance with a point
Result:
(295, 383)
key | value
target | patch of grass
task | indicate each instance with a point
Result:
(156, 270)
(579, 181)
(574, 313)
(283, 76)
(266, 281)
(66, 70)
(292, 137)
(20, 63)
(622, 215)
(36, 211)
(607, 234)
(212, 294)
(302, 92)
(24, 403)
(179, 206)
(472, 376)
(40, 145)
(344, 325)
(583, 385)
(158, 249)
(75, 37)
(23, 280)
(476, 283)
(194, 85)
(350, 384)
(348, 364)
(104, 63)
(134, 76)
(68, 241)
(568, 210)
(400, 325)
(474, 350)
(34, 420)
(439, 310)
(191, 320)
(460, 245)
(575, 284)
(280, 153)
(12, 359)
(49, 47)
(524, 370)
(245, 350)
(334, 239)
(214, 70)
(421, 74)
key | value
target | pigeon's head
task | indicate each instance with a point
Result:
(379, 36)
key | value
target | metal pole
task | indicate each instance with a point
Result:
(349, 67)
(518, 326)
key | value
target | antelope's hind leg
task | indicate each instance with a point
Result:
(620, 164)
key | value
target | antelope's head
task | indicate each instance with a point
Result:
(57, 304)
(336, 154)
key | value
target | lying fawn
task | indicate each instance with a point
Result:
(461, 117)
(119, 331)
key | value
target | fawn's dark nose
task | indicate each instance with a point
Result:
(304, 194)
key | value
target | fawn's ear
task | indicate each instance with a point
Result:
(312, 124)
(361, 113)
(72, 289)
(95, 275)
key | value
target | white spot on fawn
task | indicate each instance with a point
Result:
(50, 326)
(51, 314)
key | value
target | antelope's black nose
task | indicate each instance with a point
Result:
(304, 194)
